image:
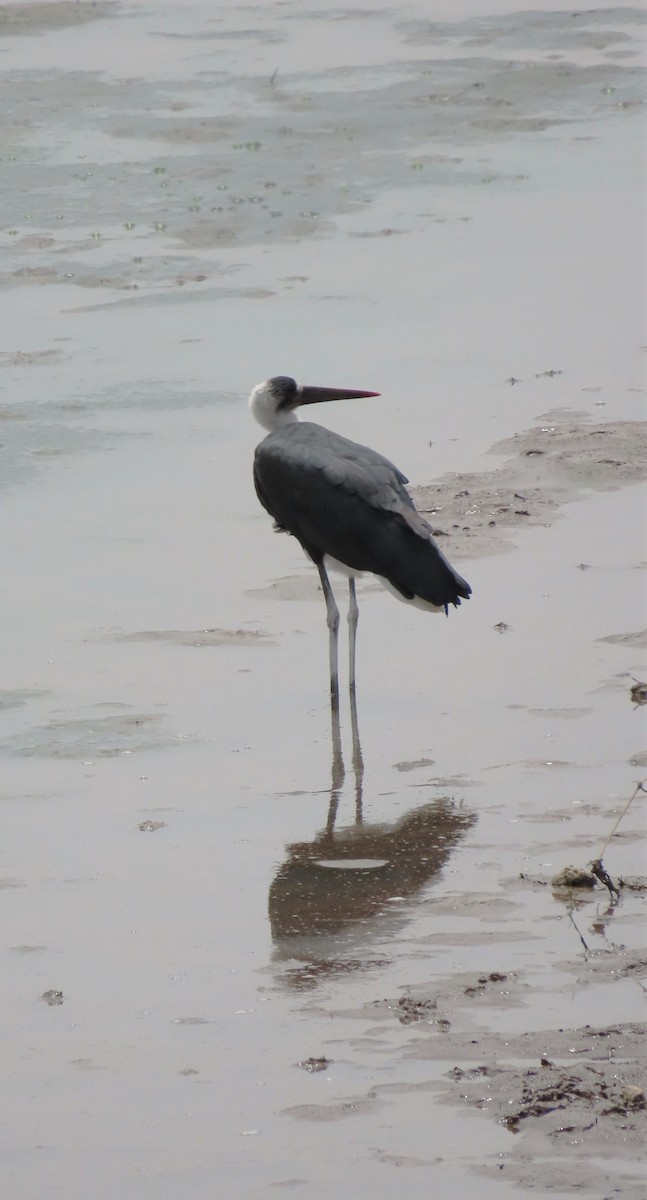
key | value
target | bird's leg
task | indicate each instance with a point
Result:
(353, 618)
(333, 628)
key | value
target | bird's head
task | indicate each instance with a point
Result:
(273, 403)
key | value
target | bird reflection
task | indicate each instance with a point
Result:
(338, 770)
(344, 877)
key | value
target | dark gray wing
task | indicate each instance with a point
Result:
(346, 500)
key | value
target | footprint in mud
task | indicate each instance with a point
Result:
(201, 637)
(637, 640)
(97, 737)
(17, 697)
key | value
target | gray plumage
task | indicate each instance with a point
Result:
(342, 499)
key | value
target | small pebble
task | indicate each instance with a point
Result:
(52, 997)
(315, 1064)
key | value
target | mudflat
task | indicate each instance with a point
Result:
(241, 957)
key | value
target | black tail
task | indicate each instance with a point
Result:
(418, 569)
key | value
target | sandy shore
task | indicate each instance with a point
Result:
(550, 465)
(236, 958)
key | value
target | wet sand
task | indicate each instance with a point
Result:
(236, 959)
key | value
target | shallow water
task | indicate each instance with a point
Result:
(428, 244)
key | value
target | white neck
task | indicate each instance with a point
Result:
(262, 405)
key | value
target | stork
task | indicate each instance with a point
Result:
(348, 507)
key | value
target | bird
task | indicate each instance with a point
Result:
(348, 507)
